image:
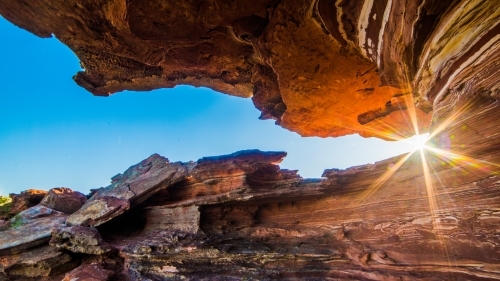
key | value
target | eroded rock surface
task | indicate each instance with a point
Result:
(345, 228)
(64, 200)
(25, 200)
(37, 264)
(88, 272)
(320, 68)
(79, 239)
(128, 189)
(30, 228)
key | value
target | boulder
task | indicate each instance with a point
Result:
(30, 228)
(64, 200)
(132, 187)
(79, 239)
(36, 264)
(25, 200)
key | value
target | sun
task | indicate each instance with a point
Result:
(419, 142)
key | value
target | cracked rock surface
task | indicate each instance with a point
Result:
(240, 216)
(131, 188)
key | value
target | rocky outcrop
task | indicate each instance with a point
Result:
(30, 228)
(137, 184)
(64, 200)
(79, 239)
(240, 216)
(40, 263)
(25, 200)
(319, 68)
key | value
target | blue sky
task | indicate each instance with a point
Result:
(54, 133)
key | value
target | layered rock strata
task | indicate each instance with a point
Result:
(319, 68)
(240, 216)
(131, 188)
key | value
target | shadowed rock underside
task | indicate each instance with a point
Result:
(319, 68)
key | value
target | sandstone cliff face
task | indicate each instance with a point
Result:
(323, 68)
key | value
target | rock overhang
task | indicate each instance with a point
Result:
(319, 68)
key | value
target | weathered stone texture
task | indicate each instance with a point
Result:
(319, 68)
(37, 264)
(25, 200)
(88, 272)
(128, 189)
(79, 239)
(30, 228)
(240, 216)
(306, 64)
(64, 200)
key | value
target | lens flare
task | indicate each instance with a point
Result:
(435, 152)
(418, 142)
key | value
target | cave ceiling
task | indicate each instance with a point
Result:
(319, 68)
(324, 68)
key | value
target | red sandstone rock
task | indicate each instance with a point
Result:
(180, 219)
(40, 263)
(320, 68)
(25, 200)
(30, 228)
(243, 217)
(128, 189)
(213, 180)
(349, 230)
(291, 57)
(323, 68)
(79, 239)
(88, 272)
(64, 200)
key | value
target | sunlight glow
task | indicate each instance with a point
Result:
(435, 151)
(419, 141)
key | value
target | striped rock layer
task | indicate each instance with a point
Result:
(319, 68)
(241, 217)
